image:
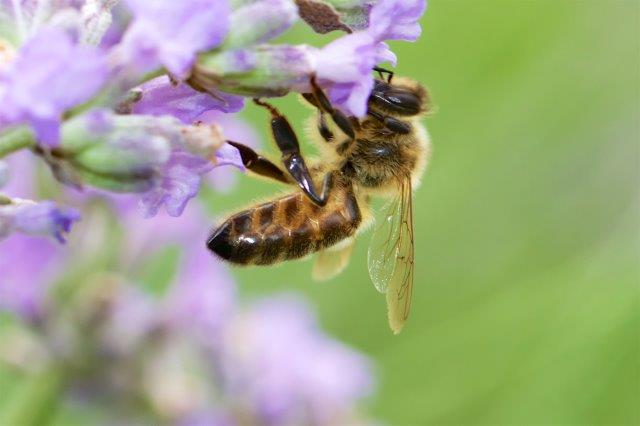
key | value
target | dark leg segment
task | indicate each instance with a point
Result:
(287, 142)
(323, 129)
(382, 72)
(391, 123)
(259, 164)
(321, 101)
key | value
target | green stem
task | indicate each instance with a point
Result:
(16, 139)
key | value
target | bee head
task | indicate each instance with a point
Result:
(401, 97)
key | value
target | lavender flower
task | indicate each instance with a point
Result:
(117, 153)
(347, 64)
(28, 93)
(181, 177)
(162, 97)
(343, 67)
(180, 182)
(171, 33)
(43, 218)
(158, 156)
(265, 70)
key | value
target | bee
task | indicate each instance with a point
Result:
(383, 154)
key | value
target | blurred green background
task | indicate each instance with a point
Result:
(526, 304)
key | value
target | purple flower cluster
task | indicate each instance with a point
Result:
(60, 61)
(190, 355)
(343, 67)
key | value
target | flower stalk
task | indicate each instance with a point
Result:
(15, 139)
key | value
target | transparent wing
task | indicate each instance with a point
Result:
(382, 248)
(332, 261)
(391, 255)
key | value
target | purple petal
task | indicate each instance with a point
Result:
(161, 97)
(384, 54)
(352, 97)
(171, 33)
(181, 177)
(228, 155)
(397, 19)
(346, 59)
(235, 129)
(50, 75)
(347, 62)
(180, 182)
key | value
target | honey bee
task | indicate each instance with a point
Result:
(383, 154)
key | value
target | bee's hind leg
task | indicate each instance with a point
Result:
(292, 159)
(260, 165)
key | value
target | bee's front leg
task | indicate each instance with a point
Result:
(320, 101)
(292, 159)
(382, 71)
(323, 129)
(391, 123)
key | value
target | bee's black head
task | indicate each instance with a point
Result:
(398, 99)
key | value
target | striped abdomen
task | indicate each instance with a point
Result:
(290, 227)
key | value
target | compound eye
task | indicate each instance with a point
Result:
(403, 101)
(399, 101)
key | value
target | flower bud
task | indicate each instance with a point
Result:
(35, 218)
(259, 21)
(266, 70)
(117, 152)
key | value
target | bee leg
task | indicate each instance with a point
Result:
(323, 128)
(382, 72)
(292, 159)
(259, 164)
(391, 123)
(321, 101)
